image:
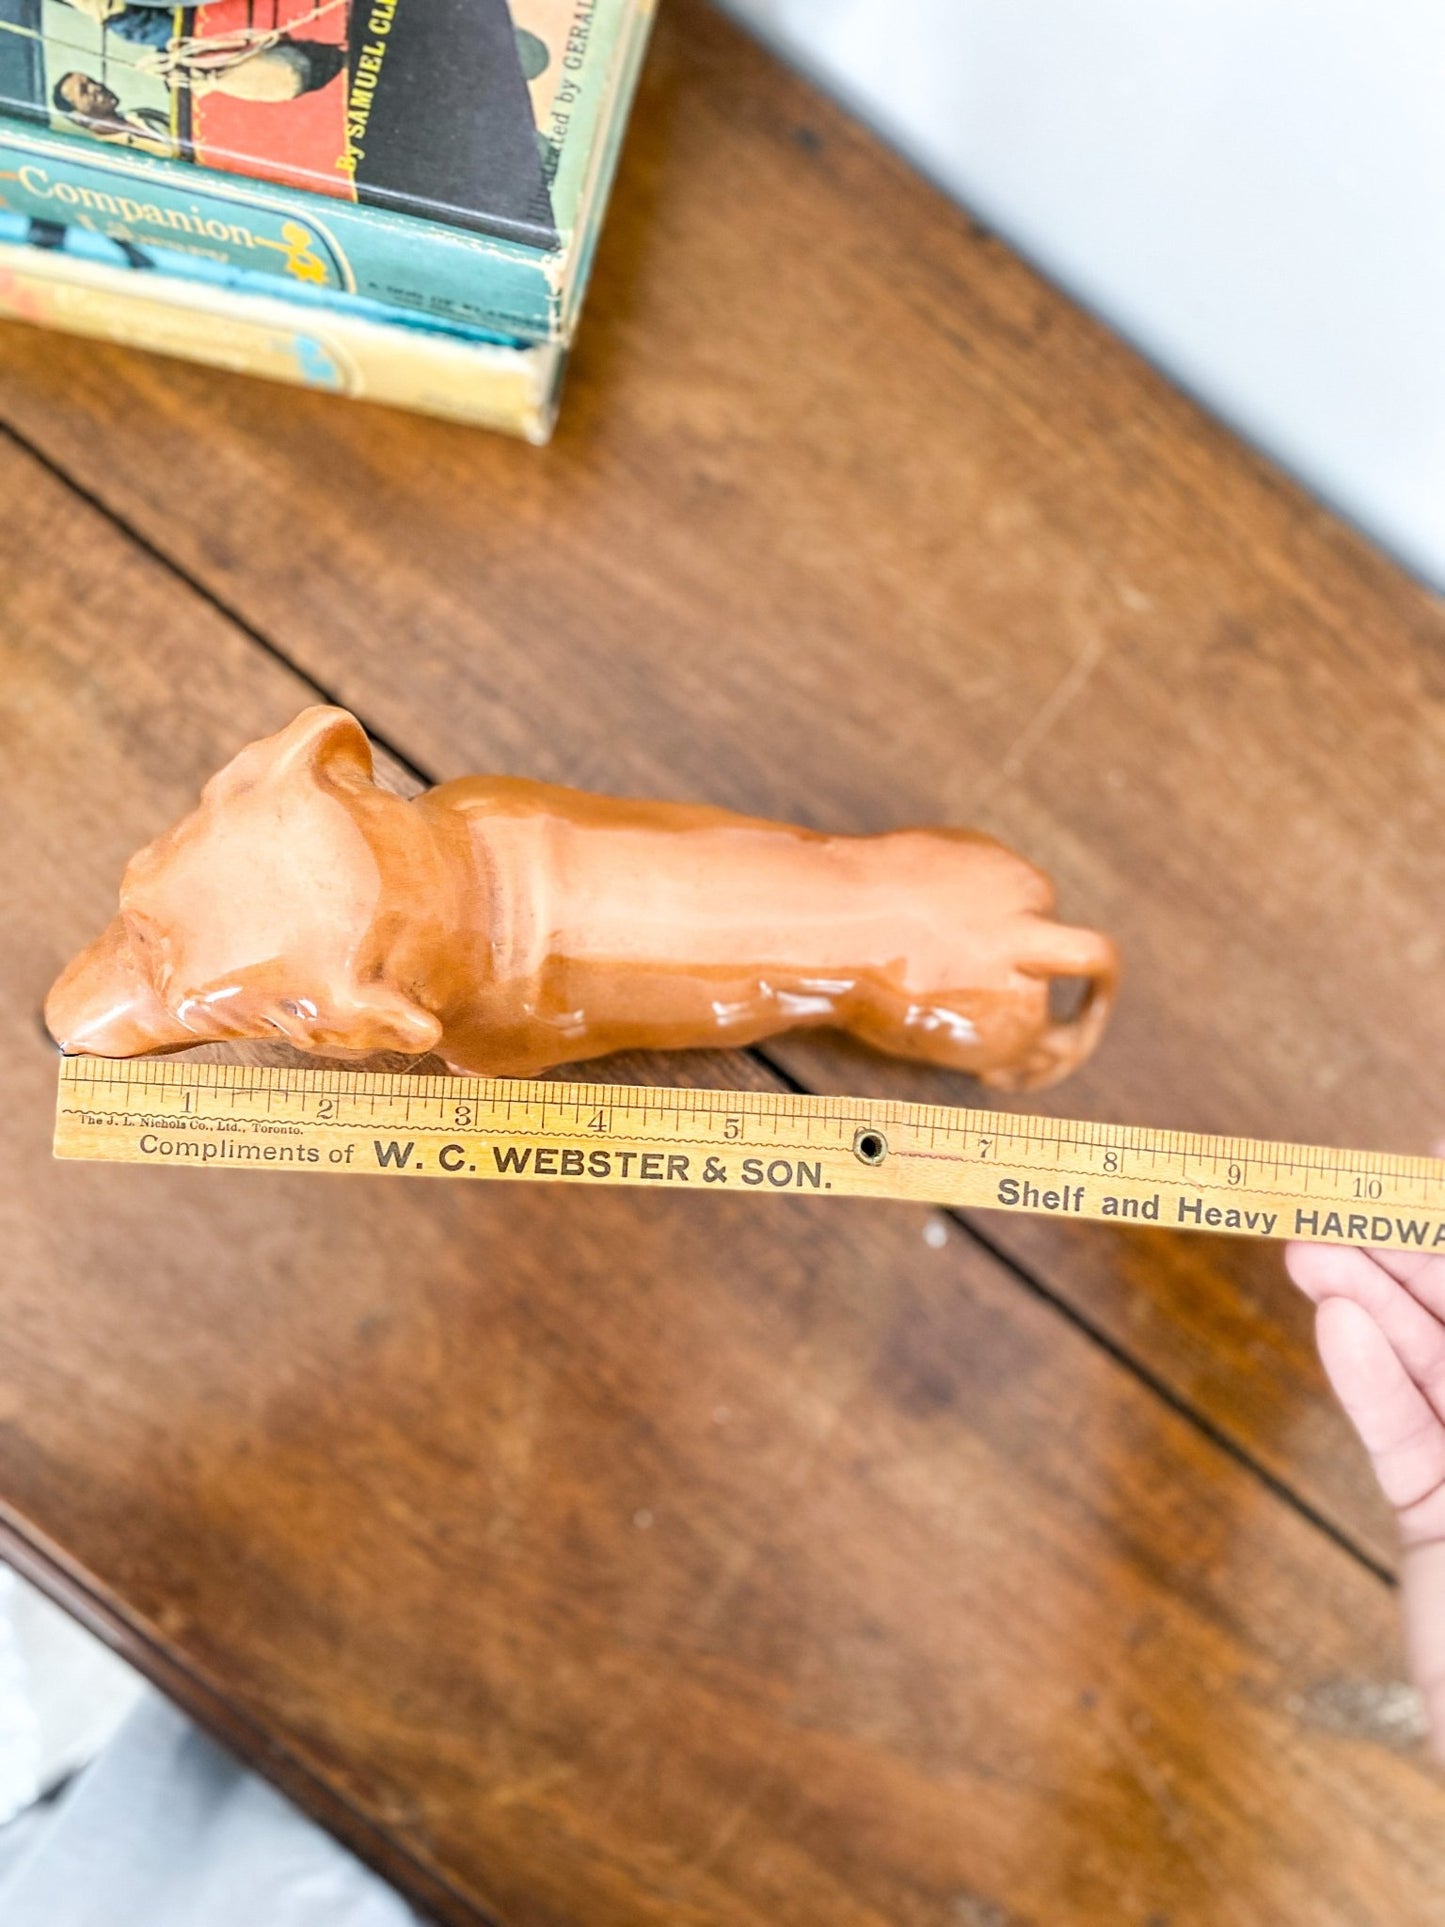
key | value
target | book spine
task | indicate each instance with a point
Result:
(512, 388)
(297, 239)
(633, 33)
(85, 244)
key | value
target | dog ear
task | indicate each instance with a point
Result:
(391, 1021)
(322, 742)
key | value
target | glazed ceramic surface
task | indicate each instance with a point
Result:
(510, 926)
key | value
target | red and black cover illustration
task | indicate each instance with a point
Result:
(419, 106)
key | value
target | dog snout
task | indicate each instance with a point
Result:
(103, 1005)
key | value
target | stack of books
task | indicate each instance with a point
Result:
(395, 199)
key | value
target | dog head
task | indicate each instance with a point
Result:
(273, 909)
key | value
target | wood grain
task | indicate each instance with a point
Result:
(852, 520)
(594, 1559)
(615, 1560)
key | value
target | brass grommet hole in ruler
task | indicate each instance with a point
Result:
(869, 1146)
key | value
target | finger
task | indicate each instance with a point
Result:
(1421, 1273)
(1416, 1336)
(1422, 1587)
(1399, 1429)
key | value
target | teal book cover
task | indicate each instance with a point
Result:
(447, 155)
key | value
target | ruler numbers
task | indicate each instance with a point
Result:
(150, 1111)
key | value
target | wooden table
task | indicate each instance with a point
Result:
(618, 1558)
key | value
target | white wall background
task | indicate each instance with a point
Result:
(1252, 190)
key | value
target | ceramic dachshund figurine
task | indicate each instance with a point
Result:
(510, 926)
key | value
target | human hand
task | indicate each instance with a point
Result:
(1380, 1327)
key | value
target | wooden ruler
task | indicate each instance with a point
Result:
(179, 1115)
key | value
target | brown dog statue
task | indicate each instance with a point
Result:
(510, 926)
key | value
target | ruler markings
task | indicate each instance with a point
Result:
(151, 1111)
(1155, 1142)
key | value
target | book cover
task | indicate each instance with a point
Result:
(80, 283)
(449, 154)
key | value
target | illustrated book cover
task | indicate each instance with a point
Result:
(452, 155)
